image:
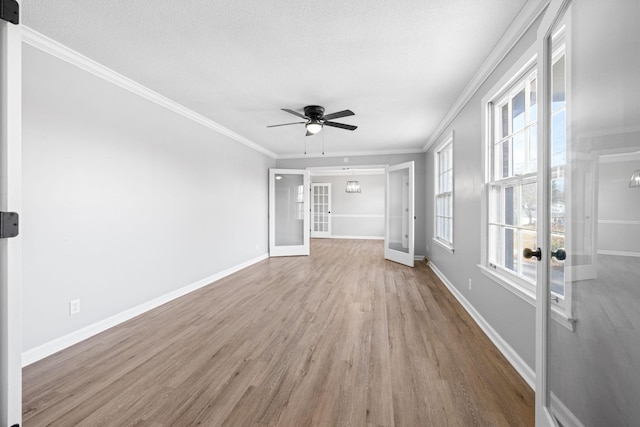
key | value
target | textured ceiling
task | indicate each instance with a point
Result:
(398, 65)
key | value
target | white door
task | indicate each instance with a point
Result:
(321, 210)
(588, 371)
(10, 201)
(399, 213)
(288, 212)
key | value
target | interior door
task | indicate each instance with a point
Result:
(321, 210)
(399, 213)
(288, 212)
(10, 201)
(588, 374)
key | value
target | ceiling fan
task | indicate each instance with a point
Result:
(315, 119)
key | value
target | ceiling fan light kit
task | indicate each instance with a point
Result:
(316, 120)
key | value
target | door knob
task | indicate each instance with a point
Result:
(528, 253)
(559, 254)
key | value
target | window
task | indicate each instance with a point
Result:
(443, 232)
(512, 189)
(510, 223)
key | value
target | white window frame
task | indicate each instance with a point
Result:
(445, 144)
(561, 308)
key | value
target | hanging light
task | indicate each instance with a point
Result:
(314, 126)
(635, 179)
(353, 187)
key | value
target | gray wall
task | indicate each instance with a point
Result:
(511, 317)
(124, 200)
(356, 214)
(387, 159)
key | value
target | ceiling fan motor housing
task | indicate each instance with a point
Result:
(314, 111)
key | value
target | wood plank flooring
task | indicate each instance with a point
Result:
(339, 338)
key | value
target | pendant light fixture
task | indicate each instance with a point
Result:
(353, 186)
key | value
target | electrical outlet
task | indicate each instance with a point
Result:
(469, 284)
(257, 246)
(74, 307)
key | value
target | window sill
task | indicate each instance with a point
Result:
(557, 313)
(443, 245)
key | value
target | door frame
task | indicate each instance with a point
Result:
(10, 201)
(554, 13)
(292, 250)
(391, 254)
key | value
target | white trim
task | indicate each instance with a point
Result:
(618, 253)
(358, 237)
(563, 414)
(58, 344)
(351, 153)
(618, 222)
(346, 172)
(620, 157)
(443, 245)
(507, 351)
(64, 53)
(10, 201)
(356, 216)
(528, 14)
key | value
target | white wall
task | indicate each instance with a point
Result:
(512, 318)
(356, 214)
(124, 200)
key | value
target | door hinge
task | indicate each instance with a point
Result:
(9, 224)
(10, 11)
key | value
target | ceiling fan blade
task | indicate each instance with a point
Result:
(295, 113)
(286, 124)
(343, 113)
(341, 125)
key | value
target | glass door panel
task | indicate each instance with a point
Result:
(591, 372)
(399, 214)
(288, 212)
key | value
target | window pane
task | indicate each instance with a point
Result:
(558, 84)
(495, 243)
(533, 107)
(502, 160)
(494, 204)
(532, 165)
(528, 265)
(528, 205)
(557, 205)
(559, 138)
(509, 206)
(519, 150)
(557, 267)
(504, 120)
(510, 247)
(517, 111)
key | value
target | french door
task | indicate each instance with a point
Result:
(589, 194)
(10, 201)
(288, 212)
(399, 213)
(321, 210)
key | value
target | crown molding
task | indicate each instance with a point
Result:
(52, 47)
(527, 15)
(350, 154)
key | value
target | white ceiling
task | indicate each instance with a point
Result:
(399, 65)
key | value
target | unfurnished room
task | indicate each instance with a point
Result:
(284, 213)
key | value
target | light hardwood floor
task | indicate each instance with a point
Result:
(339, 338)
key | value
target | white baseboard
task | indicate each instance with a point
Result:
(51, 347)
(507, 351)
(563, 414)
(618, 253)
(358, 237)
